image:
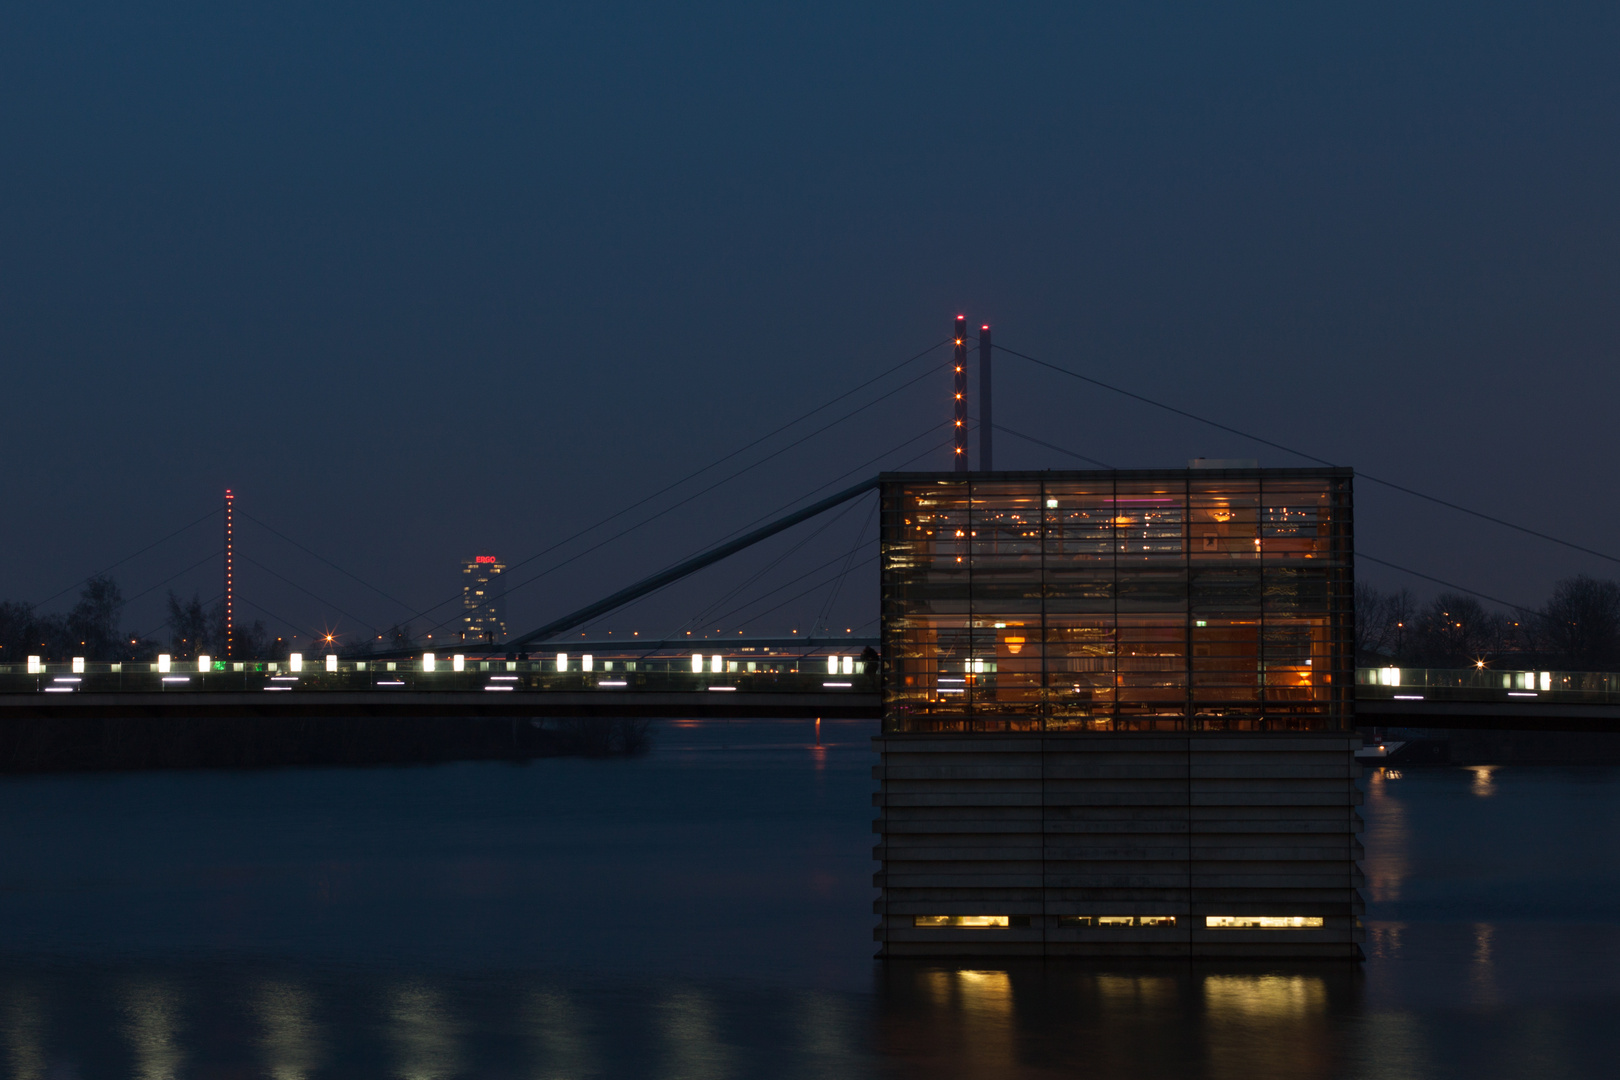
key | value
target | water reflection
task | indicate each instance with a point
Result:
(424, 1034)
(1387, 841)
(1484, 780)
(695, 1049)
(561, 1038)
(290, 1040)
(24, 1030)
(1272, 1025)
(152, 1025)
(1168, 1020)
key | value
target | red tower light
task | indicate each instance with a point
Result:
(230, 582)
(960, 362)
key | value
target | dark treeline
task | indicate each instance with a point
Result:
(93, 628)
(1576, 629)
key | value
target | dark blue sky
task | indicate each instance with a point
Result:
(424, 279)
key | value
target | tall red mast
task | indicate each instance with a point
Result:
(230, 576)
(961, 394)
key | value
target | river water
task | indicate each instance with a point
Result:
(706, 911)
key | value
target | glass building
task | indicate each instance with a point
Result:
(1118, 715)
(1141, 600)
(483, 599)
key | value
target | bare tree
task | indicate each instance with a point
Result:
(1386, 624)
(1455, 630)
(189, 632)
(1581, 624)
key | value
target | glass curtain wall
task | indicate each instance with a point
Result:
(1131, 601)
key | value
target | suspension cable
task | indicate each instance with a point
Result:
(1312, 457)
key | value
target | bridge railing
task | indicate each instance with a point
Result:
(1520, 686)
(444, 673)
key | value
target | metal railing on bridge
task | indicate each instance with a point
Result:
(1479, 685)
(697, 672)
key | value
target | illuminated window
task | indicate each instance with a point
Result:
(1156, 920)
(1074, 920)
(1116, 920)
(975, 922)
(1262, 922)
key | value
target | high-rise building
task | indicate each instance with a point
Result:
(483, 600)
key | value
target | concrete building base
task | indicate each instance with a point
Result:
(1060, 835)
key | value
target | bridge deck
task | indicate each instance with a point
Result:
(781, 687)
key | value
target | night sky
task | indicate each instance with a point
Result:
(422, 280)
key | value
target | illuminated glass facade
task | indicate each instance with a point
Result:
(483, 599)
(1171, 600)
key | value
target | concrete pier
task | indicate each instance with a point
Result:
(1119, 844)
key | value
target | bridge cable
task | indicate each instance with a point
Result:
(1311, 457)
(675, 506)
(1453, 585)
(703, 615)
(287, 623)
(306, 592)
(127, 558)
(1050, 446)
(171, 577)
(328, 562)
(799, 595)
(711, 487)
(932, 428)
(815, 569)
(211, 601)
(825, 611)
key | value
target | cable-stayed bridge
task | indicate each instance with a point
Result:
(531, 674)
